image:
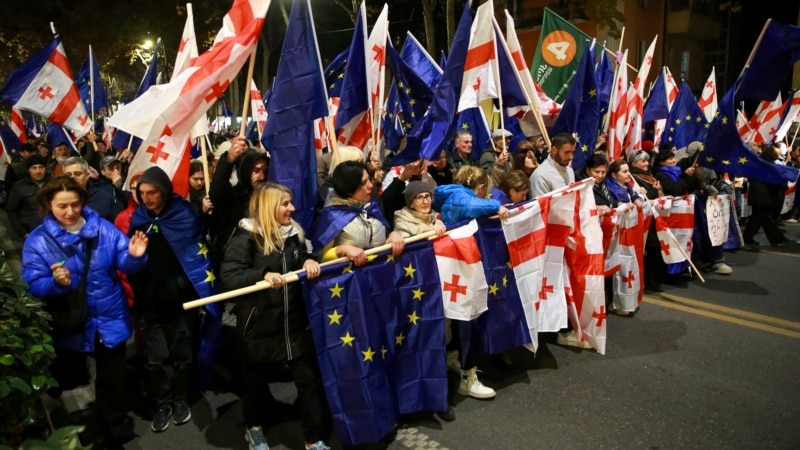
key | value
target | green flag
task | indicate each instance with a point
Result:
(557, 55)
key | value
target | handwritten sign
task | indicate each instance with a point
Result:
(718, 211)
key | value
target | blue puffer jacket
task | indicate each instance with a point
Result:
(108, 312)
(457, 203)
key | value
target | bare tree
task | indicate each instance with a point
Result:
(428, 7)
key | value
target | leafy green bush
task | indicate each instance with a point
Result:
(62, 438)
(26, 353)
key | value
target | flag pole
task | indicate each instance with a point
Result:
(534, 106)
(496, 75)
(91, 82)
(796, 129)
(204, 156)
(246, 104)
(291, 277)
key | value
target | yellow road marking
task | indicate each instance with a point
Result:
(722, 317)
(771, 252)
(733, 311)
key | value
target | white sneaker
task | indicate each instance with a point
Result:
(453, 362)
(723, 269)
(570, 340)
(471, 386)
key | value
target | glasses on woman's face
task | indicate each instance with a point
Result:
(424, 197)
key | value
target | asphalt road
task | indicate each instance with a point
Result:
(711, 365)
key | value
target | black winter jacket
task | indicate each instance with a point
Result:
(272, 324)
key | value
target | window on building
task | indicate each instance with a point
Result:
(685, 56)
(641, 49)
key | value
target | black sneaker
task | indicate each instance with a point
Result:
(447, 415)
(161, 418)
(181, 412)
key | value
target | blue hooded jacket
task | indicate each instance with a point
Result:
(457, 203)
(108, 315)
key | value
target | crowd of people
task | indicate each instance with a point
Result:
(134, 254)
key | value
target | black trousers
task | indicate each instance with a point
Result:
(257, 400)
(110, 385)
(169, 339)
(762, 217)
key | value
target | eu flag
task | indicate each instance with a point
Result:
(380, 339)
(770, 62)
(604, 79)
(418, 60)
(93, 95)
(580, 113)
(297, 98)
(8, 139)
(725, 151)
(686, 122)
(503, 326)
(657, 106)
(354, 98)
(334, 74)
(426, 138)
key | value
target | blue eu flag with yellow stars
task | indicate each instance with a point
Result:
(686, 122)
(502, 326)
(380, 339)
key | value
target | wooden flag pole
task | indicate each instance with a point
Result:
(204, 157)
(533, 105)
(246, 105)
(91, 83)
(796, 129)
(291, 277)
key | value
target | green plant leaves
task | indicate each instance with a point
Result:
(19, 384)
(7, 360)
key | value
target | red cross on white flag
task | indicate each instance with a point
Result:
(480, 68)
(464, 287)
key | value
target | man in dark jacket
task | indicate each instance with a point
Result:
(19, 167)
(232, 200)
(178, 270)
(22, 208)
(104, 197)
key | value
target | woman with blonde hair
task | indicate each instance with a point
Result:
(272, 325)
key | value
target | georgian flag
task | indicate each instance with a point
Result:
(791, 115)
(526, 236)
(708, 99)
(766, 119)
(17, 124)
(743, 126)
(187, 53)
(257, 105)
(176, 107)
(618, 112)
(464, 287)
(636, 100)
(674, 225)
(584, 285)
(479, 81)
(166, 115)
(627, 285)
(672, 93)
(44, 85)
(788, 198)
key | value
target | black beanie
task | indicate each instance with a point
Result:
(36, 159)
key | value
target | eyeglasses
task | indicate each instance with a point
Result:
(424, 197)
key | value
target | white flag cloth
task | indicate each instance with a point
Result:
(636, 100)
(464, 287)
(52, 93)
(708, 99)
(718, 212)
(674, 226)
(792, 113)
(179, 104)
(584, 284)
(618, 112)
(187, 52)
(376, 64)
(766, 119)
(628, 284)
(17, 125)
(480, 67)
(257, 105)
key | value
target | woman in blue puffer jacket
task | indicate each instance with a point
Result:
(53, 260)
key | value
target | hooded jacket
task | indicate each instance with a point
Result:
(230, 202)
(108, 315)
(180, 265)
(457, 203)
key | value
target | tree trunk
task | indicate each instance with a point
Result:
(450, 12)
(266, 52)
(430, 30)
